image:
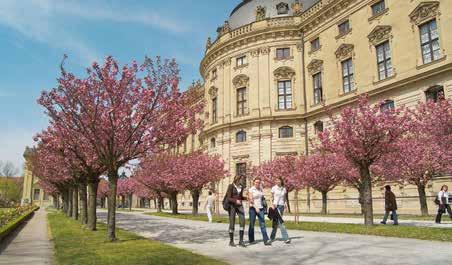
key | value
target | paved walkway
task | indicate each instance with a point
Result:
(30, 245)
(306, 248)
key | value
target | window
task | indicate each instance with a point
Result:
(192, 142)
(344, 27)
(213, 143)
(214, 73)
(282, 53)
(430, 42)
(318, 127)
(282, 8)
(434, 93)
(348, 79)
(378, 8)
(241, 61)
(286, 132)
(387, 105)
(214, 110)
(285, 94)
(384, 60)
(240, 169)
(36, 194)
(240, 137)
(315, 44)
(318, 93)
(241, 101)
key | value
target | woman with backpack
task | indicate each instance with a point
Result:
(443, 203)
(233, 204)
(256, 200)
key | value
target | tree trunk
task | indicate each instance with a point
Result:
(360, 200)
(113, 185)
(55, 200)
(324, 202)
(130, 202)
(367, 195)
(65, 202)
(123, 202)
(173, 197)
(159, 203)
(92, 203)
(75, 203)
(296, 206)
(308, 199)
(70, 196)
(422, 199)
(83, 204)
(195, 195)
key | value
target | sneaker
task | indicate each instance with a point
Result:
(267, 243)
(287, 241)
(242, 244)
(231, 244)
(383, 223)
(396, 224)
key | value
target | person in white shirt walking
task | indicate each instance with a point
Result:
(210, 206)
(279, 200)
(255, 197)
(443, 204)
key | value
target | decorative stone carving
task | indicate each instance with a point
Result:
(209, 43)
(240, 81)
(224, 29)
(284, 72)
(260, 13)
(299, 47)
(425, 11)
(255, 53)
(344, 51)
(380, 34)
(297, 7)
(265, 50)
(282, 8)
(213, 92)
(315, 66)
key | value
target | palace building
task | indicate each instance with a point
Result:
(273, 63)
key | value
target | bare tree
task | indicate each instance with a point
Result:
(8, 169)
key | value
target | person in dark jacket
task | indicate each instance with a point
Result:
(235, 198)
(390, 206)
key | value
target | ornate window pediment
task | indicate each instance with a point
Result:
(425, 11)
(213, 92)
(380, 34)
(344, 51)
(315, 66)
(282, 8)
(260, 13)
(240, 81)
(284, 72)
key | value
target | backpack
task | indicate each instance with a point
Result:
(226, 204)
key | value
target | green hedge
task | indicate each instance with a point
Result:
(15, 217)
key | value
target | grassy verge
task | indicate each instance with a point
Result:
(75, 245)
(339, 215)
(424, 233)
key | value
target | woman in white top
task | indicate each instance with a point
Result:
(255, 197)
(279, 200)
(209, 206)
(443, 197)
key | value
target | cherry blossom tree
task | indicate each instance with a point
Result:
(121, 114)
(126, 188)
(363, 134)
(197, 170)
(324, 171)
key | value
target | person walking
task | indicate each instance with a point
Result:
(233, 202)
(279, 200)
(443, 203)
(390, 206)
(210, 206)
(255, 198)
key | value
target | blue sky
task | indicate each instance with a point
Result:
(34, 35)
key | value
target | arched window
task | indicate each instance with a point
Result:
(240, 137)
(286, 132)
(387, 105)
(318, 127)
(434, 93)
(213, 143)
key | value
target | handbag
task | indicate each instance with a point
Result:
(226, 204)
(264, 205)
(436, 201)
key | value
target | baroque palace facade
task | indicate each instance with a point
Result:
(274, 62)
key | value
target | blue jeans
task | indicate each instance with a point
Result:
(277, 223)
(394, 214)
(261, 218)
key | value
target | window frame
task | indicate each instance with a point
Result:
(344, 30)
(430, 42)
(213, 142)
(285, 95)
(286, 53)
(214, 110)
(240, 136)
(380, 10)
(317, 47)
(317, 98)
(242, 102)
(386, 61)
(388, 104)
(281, 134)
(318, 127)
(435, 91)
(349, 76)
(241, 61)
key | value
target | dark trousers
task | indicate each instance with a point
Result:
(442, 209)
(241, 213)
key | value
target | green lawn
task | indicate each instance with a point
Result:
(340, 215)
(75, 245)
(424, 233)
